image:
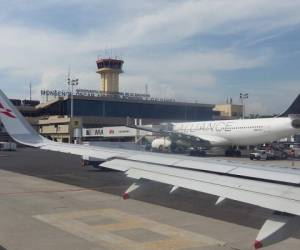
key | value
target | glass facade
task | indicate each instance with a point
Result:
(111, 108)
(110, 63)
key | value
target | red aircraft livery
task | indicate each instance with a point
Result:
(6, 111)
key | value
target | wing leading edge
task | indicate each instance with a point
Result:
(274, 189)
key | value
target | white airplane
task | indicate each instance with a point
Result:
(274, 188)
(230, 133)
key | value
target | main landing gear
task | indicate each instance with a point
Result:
(233, 151)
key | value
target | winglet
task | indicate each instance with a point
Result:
(16, 125)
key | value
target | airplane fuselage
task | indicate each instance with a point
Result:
(239, 132)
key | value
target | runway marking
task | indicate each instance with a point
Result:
(47, 191)
(115, 229)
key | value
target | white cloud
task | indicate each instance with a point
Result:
(184, 19)
(31, 53)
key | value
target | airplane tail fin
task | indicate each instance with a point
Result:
(16, 125)
(294, 108)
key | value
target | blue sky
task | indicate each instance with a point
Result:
(193, 50)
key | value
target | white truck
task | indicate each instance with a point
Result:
(268, 155)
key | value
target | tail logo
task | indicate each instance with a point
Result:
(6, 111)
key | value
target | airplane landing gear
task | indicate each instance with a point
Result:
(233, 152)
(197, 153)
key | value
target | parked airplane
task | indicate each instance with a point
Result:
(273, 188)
(229, 133)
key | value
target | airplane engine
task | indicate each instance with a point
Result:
(296, 123)
(161, 143)
(91, 161)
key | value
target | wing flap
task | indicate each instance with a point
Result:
(266, 174)
(222, 167)
(267, 195)
(257, 186)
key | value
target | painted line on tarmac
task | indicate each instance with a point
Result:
(49, 191)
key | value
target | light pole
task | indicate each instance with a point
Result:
(243, 97)
(72, 83)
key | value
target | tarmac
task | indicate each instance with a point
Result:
(48, 201)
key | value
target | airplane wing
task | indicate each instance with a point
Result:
(273, 188)
(167, 130)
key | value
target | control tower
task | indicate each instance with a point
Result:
(109, 69)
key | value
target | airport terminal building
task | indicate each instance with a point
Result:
(53, 117)
(105, 108)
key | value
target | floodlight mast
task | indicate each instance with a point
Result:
(72, 83)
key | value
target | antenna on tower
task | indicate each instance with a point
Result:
(30, 91)
(105, 52)
(146, 89)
